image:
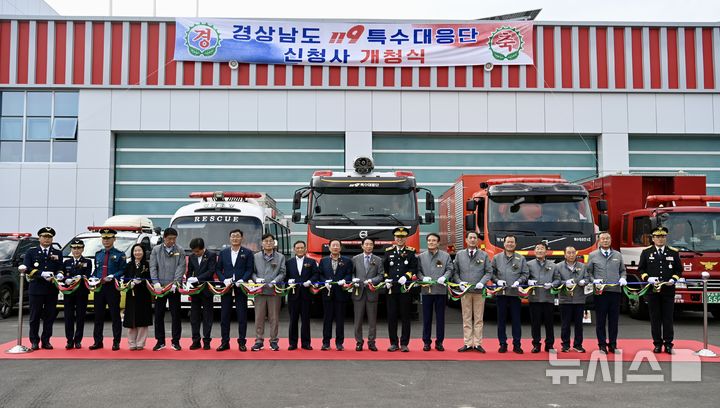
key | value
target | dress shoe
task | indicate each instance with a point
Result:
(292, 347)
(603, 349)
(206, 345)
(195, 345)
(535, 349)
(518, 350)
(669, 349)
(465, 348)
(78, 345)
(393, 347)
(339, 347)
(565, 349)
(96, 346)
(241, 347)
(404, 349)
(426, 347)
(657, 349)
(223, 347)
(579, 349)
(439, 346)
(358, 347)
(46, 346)
(479, 349)
(175, 346)
(35, 346)
(69, 345)
(550, 349)
(325, 347)
(503, 348)
(612, 349)
(372, 347)
(308, 347)
(116, 345)
(159, 346)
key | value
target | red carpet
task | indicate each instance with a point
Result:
(630, 348)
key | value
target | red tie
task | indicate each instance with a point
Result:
(105, 264)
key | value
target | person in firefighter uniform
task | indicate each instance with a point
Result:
(76, 268)
(110, 264)
(43, 263)
(659, 264)
(400, 265)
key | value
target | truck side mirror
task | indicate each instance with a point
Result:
(296, 217)
(429, 217)
(470, 222)
(603, 222)
(602, 205)
(296, 200)
(157, 230)
(429, 202)
(471, 205)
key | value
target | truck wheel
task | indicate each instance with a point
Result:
(638, 309)
(6, 302)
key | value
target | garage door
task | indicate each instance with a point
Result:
(689, 153)
(438, 160)
(154, 173)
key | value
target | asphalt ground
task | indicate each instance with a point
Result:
(109, 383)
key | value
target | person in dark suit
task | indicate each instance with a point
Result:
(201, 268)
(300, 270)
(400, 265)
(235, 265)
(661, 263)
(76, 268)
(335, 268)
(44, 263)
(138, 302)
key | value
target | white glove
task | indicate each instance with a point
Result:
(532, 282)
(570, 282)
(192, 280)
(260, 280)
(69, 281)
(93, 281)
(402, 280)
(270, 284)
(547, 285)
(46, 275)
(328, 284)
(228, 281)
(427, 279)
(622, 282)
(479, 286)
(22, 268)
(516, 284)
(597, 281)
(441, 280)
(367, 282)
(109, 278)
(239, 282)
(157, 287)
(173, 289)
(356, 280)
(137, 281)
(307, 283)
(291, 281)
(388, 283)
(582, 282)
(59, 276)
(671, 281)
(653, 280)
(463, 286)
(501, 283)
(132, 284)
(341, 282)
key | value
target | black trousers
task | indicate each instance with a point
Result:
(661, 307)
(226, 306)
(503, 304)
(201, 311)
(160, 307)
(110, 297)
(434, 303)
(572, 315)
(42, 307)
(75, 310)
(333, 311)
(398, 304)
(541, 314)
(299, 309)
(607, 310)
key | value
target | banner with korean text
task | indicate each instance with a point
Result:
(355, 44)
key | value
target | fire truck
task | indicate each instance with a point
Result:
(537, 208)
(351, 206)
(637, 203)
(217, 213)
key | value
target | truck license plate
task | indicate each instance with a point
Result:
(714, 297)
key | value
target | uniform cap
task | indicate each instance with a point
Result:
(107, 233)
(46, 231)
(77, 243)
(660, 231)
(400, 232)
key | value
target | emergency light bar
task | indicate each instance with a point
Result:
(224, 196)
(404, 173)
(96, 228)
(654, 199)
(322, 173)
(15, 234)
(492, 182)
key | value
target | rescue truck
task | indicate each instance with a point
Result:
(217, 213)
(637, 203)
(351, 206)
(537, 208)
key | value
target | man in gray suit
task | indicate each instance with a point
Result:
(269, 269)
(367, 269)
(572, 300)
(472, 269)
(509, 266)
(434, 265)
(542, 302)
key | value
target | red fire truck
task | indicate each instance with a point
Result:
(636, 204)
(350, 206)
(534, 208)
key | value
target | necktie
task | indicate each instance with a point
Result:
(105, 264)
(367, 262)
(45, 252)
(472, 253)
(606, 253)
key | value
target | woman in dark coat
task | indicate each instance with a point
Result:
(138, 302)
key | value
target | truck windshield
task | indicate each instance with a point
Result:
(7, 248)
(94, 244)
(215, 231)
(698, 231)
(541, 214)
(353, 204)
